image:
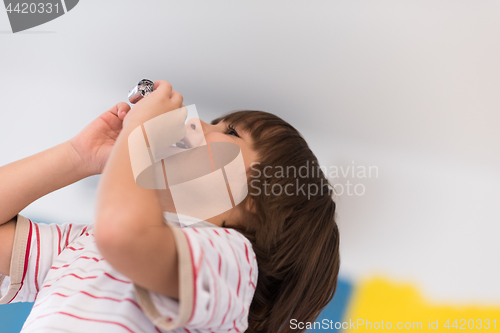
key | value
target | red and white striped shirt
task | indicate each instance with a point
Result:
(75, 290)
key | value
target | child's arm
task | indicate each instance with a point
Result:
(130, 231)
(26, 180)
(29, 179)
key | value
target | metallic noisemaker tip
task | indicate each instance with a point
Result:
(140, 90)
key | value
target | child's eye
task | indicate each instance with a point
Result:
(230, 130)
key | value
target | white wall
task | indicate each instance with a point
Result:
(410, 87)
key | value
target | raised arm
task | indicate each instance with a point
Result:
(29, 179)
(130, 231)
(26, 180)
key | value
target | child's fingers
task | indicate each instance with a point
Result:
(163, 87)
(118, 108)
(176, 98)
(121, 110)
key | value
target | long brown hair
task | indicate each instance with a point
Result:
(295, 237)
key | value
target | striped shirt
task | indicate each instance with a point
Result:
(75, 290)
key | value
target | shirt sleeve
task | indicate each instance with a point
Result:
(217, 278)
(36, 246)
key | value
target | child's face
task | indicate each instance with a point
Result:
(223, 132)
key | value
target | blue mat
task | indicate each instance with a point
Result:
(12, 316)
(335, 310)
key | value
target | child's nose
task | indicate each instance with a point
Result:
(194, 124)
(204, 126)
(194, 133)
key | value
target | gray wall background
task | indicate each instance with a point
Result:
(409, 87)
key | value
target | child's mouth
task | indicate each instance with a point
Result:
(182, 144)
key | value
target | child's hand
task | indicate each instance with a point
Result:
(161, 100)
(93, 145)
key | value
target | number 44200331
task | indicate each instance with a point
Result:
(463, 324)
(33, 7)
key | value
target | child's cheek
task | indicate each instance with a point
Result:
(217, 137)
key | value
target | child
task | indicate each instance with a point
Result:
(268, 260)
